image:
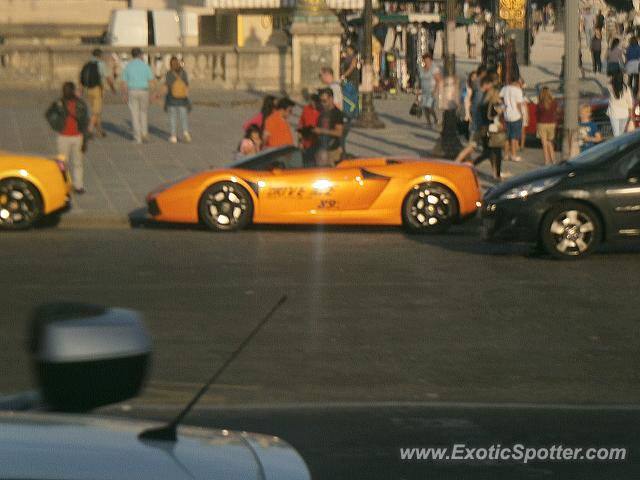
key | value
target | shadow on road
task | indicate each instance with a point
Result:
(364, 441)
(117, 130)
(158, 132)
(460, 238)
(403, 146)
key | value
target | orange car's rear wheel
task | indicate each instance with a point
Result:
(429, 208)
(20, 204)
(225, 206)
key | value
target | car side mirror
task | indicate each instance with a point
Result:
(87, 356)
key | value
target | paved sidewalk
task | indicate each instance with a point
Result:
(119, 173)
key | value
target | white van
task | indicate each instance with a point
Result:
(142, 28)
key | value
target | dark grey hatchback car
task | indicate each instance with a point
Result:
(570, 208)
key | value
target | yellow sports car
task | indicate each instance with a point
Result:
(30, 188)
(275, 186)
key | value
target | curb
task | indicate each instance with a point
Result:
(76, 221)
(83, 220)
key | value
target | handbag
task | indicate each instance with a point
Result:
(497, 139)
(413, 111)
(495, 130)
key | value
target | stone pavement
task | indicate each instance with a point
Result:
(119, 173)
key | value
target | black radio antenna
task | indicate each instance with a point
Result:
(169, 431)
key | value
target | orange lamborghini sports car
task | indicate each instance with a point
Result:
(275, 186)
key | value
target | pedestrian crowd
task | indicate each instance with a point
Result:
(495, 112)
(617, 34)
(323, 124)
(76, 116)
(491, 130)
(544, 17)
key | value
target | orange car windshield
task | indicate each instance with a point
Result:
(285, 158)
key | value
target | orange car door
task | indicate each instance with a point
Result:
(369, 187)
(300, 195)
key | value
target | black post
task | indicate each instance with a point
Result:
(449, 144)
(367, 117)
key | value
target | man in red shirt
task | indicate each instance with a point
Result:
(69, 116)
(276, 127)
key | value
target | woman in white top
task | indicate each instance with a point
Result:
(620, 105)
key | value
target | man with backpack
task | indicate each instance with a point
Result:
(92, 78)
(69, 118)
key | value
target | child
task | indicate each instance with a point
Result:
(251, 143)
(588, 134)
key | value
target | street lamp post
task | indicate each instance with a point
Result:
(571, 97)
(368, 117)
(449, 144)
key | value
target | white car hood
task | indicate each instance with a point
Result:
(45, 446)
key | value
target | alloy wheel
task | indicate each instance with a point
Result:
(20, 205)
(430, 207)
(573, 232)
(225, 206)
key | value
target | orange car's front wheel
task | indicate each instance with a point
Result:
(225, 206)
(429, 208)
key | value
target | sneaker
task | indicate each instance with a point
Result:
(187, 137)
(145, 138)
(79, 191)
(173, 139)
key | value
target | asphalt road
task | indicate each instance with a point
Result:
(364, 442)
(372, 315)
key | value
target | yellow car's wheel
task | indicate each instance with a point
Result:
(429, 208)
(225, 206)
(20, 204)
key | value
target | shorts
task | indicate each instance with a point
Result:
(546, 131)
(94, 97)
(514, 130)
